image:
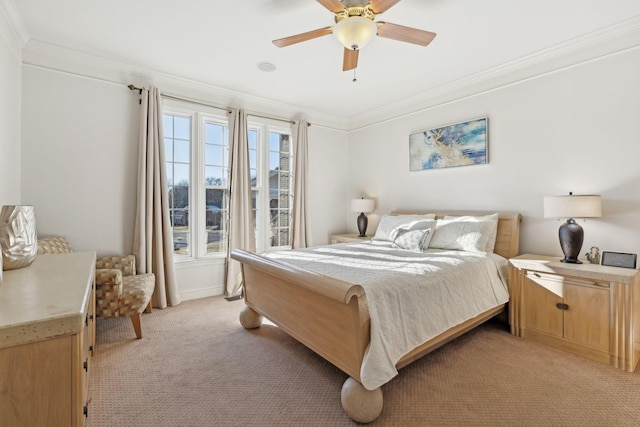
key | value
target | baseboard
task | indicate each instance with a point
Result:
(201, 293)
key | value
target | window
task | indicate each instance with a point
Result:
(177, 143)
(272, 182)
(197, 163)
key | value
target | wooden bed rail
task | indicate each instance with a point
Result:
(319, 311)
(325, 286)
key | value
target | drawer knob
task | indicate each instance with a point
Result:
(562, 306)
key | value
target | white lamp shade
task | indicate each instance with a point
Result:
(355, 32)
(363, 205)
(572, 207)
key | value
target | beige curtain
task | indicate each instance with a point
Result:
(152, 239)
(240, 218)
(300, 231)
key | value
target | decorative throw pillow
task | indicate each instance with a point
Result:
(413, 240)
(390, 224)
(468, 236)
(491, 241)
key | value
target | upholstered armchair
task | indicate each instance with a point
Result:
(120, 292)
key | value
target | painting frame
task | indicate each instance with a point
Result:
(463, 143)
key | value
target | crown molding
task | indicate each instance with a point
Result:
(49, 56)
(598, 44)
(12, 27)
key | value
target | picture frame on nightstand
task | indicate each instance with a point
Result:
(619, 259)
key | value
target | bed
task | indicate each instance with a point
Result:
(330, 314)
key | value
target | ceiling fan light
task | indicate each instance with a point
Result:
(355, 32)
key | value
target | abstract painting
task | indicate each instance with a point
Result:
(460, 144)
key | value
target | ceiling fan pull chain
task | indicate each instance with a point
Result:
(354, 76)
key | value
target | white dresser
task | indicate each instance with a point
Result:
(47, 337)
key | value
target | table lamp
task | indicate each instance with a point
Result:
(571, 234)
(363, 206)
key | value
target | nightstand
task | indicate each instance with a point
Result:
(347, 238)
(587, 309)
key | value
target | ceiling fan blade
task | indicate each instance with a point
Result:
(379, 6)
(303, 37)
(333, 5)
(405, 34)
(350, 60)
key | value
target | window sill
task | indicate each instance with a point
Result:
(188, 261)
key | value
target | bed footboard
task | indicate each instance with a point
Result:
(327, 315)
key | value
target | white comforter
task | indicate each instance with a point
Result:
(412, 297)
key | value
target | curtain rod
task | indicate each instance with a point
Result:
(193, 101)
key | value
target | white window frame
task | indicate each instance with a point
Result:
(263, 226)
(200, 114)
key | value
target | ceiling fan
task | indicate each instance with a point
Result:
(355, 26)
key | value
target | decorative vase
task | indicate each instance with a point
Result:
(18, 237)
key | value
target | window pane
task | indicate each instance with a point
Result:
(168, 149)
(169, 168)
(213, 155)
(280, 188)
(274, 160)
(177, 142)
(253, 158)
(216, 154)
(274, 141)
(182, 127)
(215, 217)
(180, 197)
(181, 151)
(214, 133)
(253, 139)
(181, 240)
(167, 126)
(284, 143)
(254, 206)
(180, 174)
(284, 162)
(213, 175)
(284, 201)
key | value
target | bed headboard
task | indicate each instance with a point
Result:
(508, 237)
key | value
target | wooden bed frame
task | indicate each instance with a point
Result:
(330, 316)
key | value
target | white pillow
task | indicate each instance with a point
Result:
(414, 240)
(491, 242)
(390, 224)
(468, 236)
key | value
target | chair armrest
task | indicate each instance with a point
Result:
(126, 263)
(108, 276)
(108, 283)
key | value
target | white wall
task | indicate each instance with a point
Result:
(328, 170)
(576, 129)
(79, 158)
(10, 105)
(79, 145)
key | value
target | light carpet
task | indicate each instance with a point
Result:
(196, 366)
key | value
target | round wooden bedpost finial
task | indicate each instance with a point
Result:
(249, 319)
(360, 404)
